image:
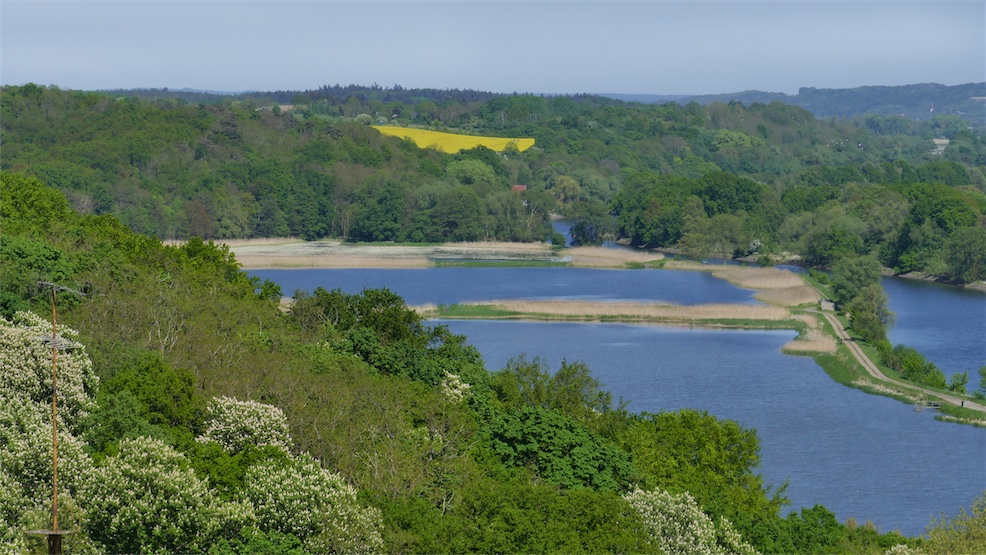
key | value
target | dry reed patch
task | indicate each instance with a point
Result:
(813, 340)
(646, 311)
(675, 264)
(492, 250)
(498, 246)
(264, 261)
(257, 241)
(790, 296)
(261, 241)
(758, 278)
(601, 257)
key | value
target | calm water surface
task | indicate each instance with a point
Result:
(453, 285)
(860, 455)
(946, 324)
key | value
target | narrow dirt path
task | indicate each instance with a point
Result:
(872, 369)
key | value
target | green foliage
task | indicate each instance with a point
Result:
(558, 450)
(119, 416)
(869, 315)
(963, 533)
(29, 207)
(958, 382)
(913, 366)
(851, 275)
(713, 460)
(514, 515)
(168, 395)
(966, 255)
(378, 328)
(571, 391)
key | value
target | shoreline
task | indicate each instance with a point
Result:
(790, 302)
(270, 254)
(292, 253)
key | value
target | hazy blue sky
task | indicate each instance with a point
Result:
(655, 47)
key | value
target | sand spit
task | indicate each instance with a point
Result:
(339, 254)
(774, 286)
(631, 311)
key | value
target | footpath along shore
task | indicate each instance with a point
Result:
(875, 372)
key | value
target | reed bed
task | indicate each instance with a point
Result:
(257, 241)
(600, 257)
(812, 340)
(640, 311)
(790, 296)
(498, 246)
(758, 278)
(258, 261)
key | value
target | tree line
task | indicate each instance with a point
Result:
(751, 180)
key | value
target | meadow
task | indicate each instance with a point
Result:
(451, 142)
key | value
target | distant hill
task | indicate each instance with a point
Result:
(920, 102)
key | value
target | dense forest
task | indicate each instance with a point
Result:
(196, 416)
(723, 179)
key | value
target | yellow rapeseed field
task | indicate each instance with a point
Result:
(450, 142)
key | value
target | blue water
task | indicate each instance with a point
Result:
(860, 455)
(946, 324)
(453, 285)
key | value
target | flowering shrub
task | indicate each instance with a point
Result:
(313, 504)
(453, 387)
(681, 528)
(235, 424)
(13, 504)
(25, 368)
(25, 451)
(147, 499)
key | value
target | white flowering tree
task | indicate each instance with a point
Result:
(454, 388)
(26, 473)
(25, 451)
(13, 505)
(313, 504)
(681, 528)
(26, 364)
(234, 424)
(147, 499)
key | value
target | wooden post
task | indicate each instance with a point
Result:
(54, 426)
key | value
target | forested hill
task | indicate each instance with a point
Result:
(722, 178)
(920, 102)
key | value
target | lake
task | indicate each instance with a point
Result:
(946, 324)
(860, 455)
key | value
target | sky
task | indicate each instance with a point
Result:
(552, 47)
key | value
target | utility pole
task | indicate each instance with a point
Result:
(54, 534)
